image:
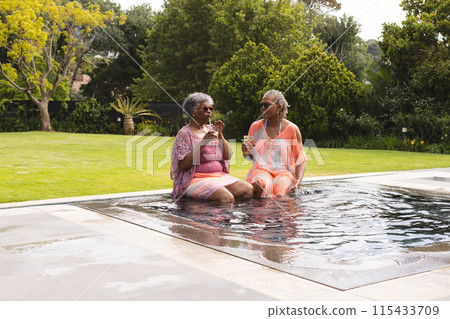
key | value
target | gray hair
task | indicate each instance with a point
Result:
(196, 99)
(280, 99)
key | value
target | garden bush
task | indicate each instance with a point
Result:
(18, 117)
(153, 127)
(89, 116)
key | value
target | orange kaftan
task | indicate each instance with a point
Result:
(274, 160)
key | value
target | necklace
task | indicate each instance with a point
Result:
(265, 127)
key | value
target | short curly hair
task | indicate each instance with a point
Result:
(280, 99)
(196, 99)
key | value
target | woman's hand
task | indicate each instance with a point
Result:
(247, 147)
(294, 187)
(245, 150)
(211, 135)
(220, 126)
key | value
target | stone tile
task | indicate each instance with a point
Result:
(33, 285)
(444, 271)
(59, 208)
(38, 227)
(278, 284)
(194, 255)
(18, 211)
(65, 252)
(12, 264)
(136, 273)
(425, 286)
(211, 290)
(102, 224)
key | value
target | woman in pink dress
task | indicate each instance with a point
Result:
(200, 157)
(275, 149)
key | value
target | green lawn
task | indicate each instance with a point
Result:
(42, 165)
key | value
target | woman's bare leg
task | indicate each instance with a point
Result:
(222, 195)
(241, 190)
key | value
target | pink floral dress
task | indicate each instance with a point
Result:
(185, 141)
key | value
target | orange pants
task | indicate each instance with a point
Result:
(273, 183)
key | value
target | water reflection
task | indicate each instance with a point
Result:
(341, 221)
(269, 225)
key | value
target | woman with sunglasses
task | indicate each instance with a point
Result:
(275, 149)
(200, 157)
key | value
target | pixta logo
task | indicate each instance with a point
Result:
(311, 150)
(141, 150)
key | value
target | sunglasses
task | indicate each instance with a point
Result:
(265, 105)
(206, 108)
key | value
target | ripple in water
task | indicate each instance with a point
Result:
(342, 220)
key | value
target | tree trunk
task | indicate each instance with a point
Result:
(128, 125)
(44, 116)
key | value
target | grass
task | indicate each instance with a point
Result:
(42, 165)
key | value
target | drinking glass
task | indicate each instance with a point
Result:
(247, 140)
(213, 128)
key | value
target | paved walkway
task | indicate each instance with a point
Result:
(50, 250)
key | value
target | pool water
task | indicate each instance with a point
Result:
(340, 233)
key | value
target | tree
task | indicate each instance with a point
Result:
(239, 84)
(191, 39)
(114, 77)
(40, 40)
(358, 60)
(317, 86)
(339, 34)
(280, 25)
(417, 52)
(373, 49)
(100, 39)
(341, 37)
(332, 4)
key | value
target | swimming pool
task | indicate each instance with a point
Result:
(342, 234)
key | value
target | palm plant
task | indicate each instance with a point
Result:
(131, 110)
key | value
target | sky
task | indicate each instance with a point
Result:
(371, 14)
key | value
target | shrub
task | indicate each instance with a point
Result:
(153, 127)
(18, 117)
(414, 145)
(390, 143)
(375, 142)
(89, 116)
(331, 143)
(348, 124)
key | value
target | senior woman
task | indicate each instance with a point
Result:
(275, 149)
(200, 157)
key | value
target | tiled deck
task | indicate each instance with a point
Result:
(50, 250)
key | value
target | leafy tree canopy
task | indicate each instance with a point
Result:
(317, 87)
(332, 4)
(341, 37)
(192, 38)
(315, 84)
(417, 52)
(112, 78)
